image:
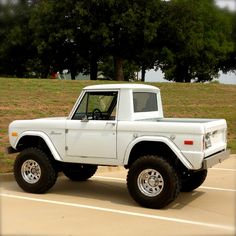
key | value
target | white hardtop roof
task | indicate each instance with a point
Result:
(120, 86)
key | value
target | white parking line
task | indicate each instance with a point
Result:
(218, 189)
(124, 180)
(109, 178)
(129, 213)
(223, 169)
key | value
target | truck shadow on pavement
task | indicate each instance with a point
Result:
(108, 191)
(185, 199)
(114, 192)
(102, 190)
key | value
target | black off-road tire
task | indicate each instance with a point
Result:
(193, 181)
(34, 171)
(153, 182)
(79, 172)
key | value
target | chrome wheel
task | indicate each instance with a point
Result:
(150, 182)
(31, 171)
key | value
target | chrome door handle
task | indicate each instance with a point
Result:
(111, 123)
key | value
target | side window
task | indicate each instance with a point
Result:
(97, 106)
(81, 110)
(144, 102)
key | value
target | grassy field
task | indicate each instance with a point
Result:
(34, 98)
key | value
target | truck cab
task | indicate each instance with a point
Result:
(96, 116)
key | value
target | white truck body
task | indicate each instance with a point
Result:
(130, 128)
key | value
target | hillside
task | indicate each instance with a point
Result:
(34, 98)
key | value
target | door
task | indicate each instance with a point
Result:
(92, 131)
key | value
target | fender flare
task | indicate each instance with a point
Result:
(46, 139)
(160, 139)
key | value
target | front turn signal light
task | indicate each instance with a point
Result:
(14, 134)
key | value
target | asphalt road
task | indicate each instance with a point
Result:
(102, 206)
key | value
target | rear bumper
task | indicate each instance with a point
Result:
(215, 159)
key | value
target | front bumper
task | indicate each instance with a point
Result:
(11, 150)
(215, 159)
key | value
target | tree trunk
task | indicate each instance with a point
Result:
(182, 74)
(93, 69)
(44, 72)
(188, 79)
(72, 73)
(118, 64)
(143, 73)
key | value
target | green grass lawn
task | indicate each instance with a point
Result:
(34, 98)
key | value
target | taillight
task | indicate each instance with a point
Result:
(188, 142)
(207, 140)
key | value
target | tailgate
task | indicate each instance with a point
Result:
(215, 136)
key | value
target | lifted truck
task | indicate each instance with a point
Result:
(119, 125)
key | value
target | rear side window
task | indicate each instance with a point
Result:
(144, 102)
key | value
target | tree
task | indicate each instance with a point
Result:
(116, 27)
(229, 64)
(52, 26)
(147, 56)
(187, 39)
(15, 47)
(194, 38)
(89, 33)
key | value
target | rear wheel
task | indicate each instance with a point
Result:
(34, 171)
(193, 180)
(152, 182)
(79, 172)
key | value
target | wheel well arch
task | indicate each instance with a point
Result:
(154, 148)
(28, 141)
(39, 140)
(34, 141)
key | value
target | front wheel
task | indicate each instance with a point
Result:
(153, 182)
(34, 171)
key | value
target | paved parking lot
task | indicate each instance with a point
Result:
(102, 206)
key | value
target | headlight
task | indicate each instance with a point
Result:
(207, 140)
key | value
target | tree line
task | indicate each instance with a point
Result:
(187, 39)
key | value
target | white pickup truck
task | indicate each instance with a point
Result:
(119, 125)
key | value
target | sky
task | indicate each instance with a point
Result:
(157, 76)
(230, 4)
(229, 78)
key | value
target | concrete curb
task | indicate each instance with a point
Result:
(6, 177)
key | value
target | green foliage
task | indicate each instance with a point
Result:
(111, 27)
(15, 47)
(230, 62)
(195, 38)
(187, 39)
(53, 36)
